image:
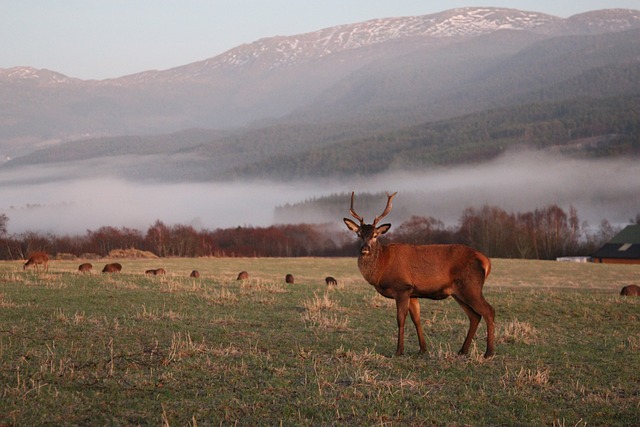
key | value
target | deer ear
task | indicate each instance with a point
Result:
(351, 225)
(383, 229)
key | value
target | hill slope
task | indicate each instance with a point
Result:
(396, 93)
(277, 76)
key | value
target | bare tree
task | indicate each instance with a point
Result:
(4, 221)
(158, 238)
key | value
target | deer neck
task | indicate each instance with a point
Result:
(371, 264)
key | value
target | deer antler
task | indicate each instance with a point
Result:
(353, 213)
(387, 209)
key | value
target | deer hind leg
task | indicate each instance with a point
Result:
(474, 321)
(486, 311)
(414, 311)
(476, 310)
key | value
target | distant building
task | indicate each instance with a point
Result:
(624, 248)
(574, 259)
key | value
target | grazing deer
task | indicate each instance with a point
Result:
(407, 272)
(85, 267)
(330, 281)
(195, 273)
(243, 275)
(630, 290)
(112, 268)
(36, 259)
(289, 279)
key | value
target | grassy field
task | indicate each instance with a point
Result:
(132, 349)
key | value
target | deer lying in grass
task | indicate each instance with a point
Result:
(243, 275)
(112, 268)
(85, 267)
(289, 279)
(407, 272)
(630, 290)
(36, 259)
(195, 273)
(156, 272)
(330, 281)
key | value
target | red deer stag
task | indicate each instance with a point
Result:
(407, 272)
(112, 268)
(630, 290)
(85, 267)
(36, 259)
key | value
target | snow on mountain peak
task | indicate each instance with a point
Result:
(280, 51)
(40, 76)
(452, 23)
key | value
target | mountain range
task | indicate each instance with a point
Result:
(458, 86)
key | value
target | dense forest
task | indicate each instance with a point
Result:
(584, 127)
(545, 233)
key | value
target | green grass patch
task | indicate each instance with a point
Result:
(129, 348)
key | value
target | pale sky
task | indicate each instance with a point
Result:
(97, 39)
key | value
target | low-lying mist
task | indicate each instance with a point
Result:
(55, 200)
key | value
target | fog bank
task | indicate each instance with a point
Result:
(53, 200)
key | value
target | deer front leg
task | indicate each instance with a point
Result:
(402, 308)
(414, 311)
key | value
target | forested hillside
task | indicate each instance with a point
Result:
(399, 104)
(584, 127)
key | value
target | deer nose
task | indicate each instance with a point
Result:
(365, 249)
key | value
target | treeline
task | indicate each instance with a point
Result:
(179, 240)
(584, 127)
(544, 233)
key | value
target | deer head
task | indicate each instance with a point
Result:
(368, 233)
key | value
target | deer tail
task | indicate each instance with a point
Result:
(486, 264)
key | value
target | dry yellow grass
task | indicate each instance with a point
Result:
(175, 350)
